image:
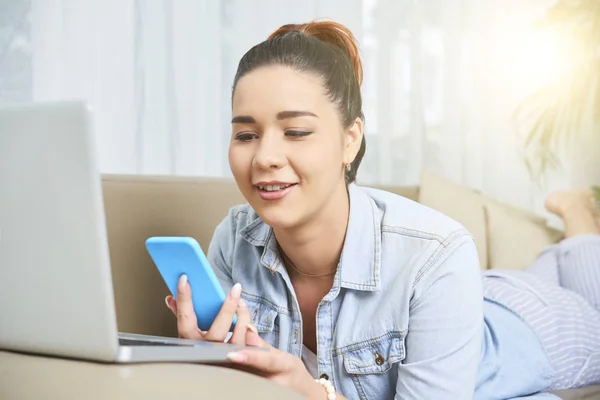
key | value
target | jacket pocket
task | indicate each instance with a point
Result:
(370, 364)
(265, 319)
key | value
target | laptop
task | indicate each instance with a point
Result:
(56, 293)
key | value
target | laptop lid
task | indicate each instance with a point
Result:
(56, 293)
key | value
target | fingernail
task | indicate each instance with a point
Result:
(252, 328)
(236, 357)
(182, 281)
(242, 303)
(236, 290)
(167, 301)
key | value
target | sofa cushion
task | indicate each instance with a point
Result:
(515, 237)
(585, 393)
(460, 203)
(409, 192)
(138, 207)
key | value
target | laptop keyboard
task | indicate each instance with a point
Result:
(137, 342)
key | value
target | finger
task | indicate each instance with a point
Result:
(271, 361)
(243, 320)
(253, 339)
(220, 327)
(171, 304)
(187, 323)
(266, 362)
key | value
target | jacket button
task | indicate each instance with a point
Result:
(325, 376)
(379, 359)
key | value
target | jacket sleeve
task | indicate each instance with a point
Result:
(445, 329)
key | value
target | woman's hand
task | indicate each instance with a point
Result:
(273, 364)
(187, 322)
(278, 366)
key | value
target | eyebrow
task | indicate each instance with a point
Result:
(243, 119)
(247, 119)
(295, 114)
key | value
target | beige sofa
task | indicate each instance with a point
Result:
(138, 207)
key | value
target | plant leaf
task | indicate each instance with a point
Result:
(553, 115)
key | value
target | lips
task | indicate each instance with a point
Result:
(271, 191)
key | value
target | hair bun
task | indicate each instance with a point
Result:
(332, 33)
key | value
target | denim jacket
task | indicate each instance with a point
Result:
(404, 318)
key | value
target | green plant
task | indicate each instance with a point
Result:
(554, 114)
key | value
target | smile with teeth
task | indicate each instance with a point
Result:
(274, 188)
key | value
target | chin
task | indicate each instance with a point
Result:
(277, 216)
(280, 214)
(278, 219)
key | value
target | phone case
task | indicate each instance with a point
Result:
(175, 256)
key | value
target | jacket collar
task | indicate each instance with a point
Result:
(360, 262)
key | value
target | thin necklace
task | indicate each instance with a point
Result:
(289, 263)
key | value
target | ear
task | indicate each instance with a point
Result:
(354, 135)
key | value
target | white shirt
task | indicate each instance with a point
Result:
(310, 360)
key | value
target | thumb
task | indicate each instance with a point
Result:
(253, 339)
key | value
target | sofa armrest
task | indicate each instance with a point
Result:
(37, 377)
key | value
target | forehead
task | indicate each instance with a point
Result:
(272, 89)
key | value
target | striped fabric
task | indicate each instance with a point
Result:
(559, 297)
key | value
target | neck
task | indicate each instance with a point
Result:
(315, 247)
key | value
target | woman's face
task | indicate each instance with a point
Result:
(288, 147)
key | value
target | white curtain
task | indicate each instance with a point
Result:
(442, 80)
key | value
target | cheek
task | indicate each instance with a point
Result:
(322, 160)
(332, 151)
(239, 162)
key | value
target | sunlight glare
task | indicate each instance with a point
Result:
(537, 58)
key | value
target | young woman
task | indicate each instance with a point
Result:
(363, 294)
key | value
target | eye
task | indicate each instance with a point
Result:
(297, 133)
(245, 136)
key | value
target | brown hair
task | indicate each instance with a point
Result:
(325, 48)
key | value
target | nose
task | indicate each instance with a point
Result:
(270, 153)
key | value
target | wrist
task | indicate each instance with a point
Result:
(316, 391)
(323, 390)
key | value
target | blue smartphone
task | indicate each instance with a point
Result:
(175, 256)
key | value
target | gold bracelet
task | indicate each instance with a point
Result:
(328, 386)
